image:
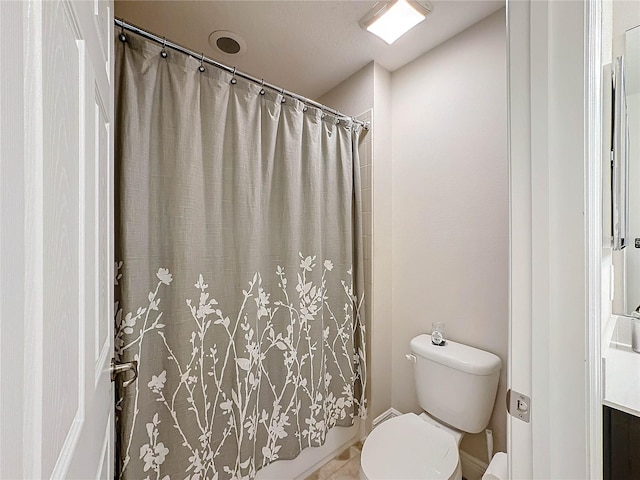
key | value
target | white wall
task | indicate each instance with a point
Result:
(450, 205)
(626, 15)
(354, 95)
(440, 207)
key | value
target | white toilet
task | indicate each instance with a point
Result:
(456, 386)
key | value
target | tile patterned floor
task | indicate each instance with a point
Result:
(345, 466)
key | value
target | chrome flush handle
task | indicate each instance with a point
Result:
(118, 368)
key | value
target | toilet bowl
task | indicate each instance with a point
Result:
(456, 387)
(410, 447)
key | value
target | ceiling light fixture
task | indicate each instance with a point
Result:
(227, 42)
(391, 19)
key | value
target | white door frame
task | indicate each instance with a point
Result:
(554, 147)
(519, 436)
(595, 234)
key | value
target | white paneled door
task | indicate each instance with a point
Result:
(56, 239)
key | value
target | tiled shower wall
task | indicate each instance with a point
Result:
(357, 94)
(366, 167)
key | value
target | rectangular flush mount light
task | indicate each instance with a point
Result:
(392, 19)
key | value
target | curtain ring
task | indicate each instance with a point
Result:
(122, 36)
(322, 112)
(163, 53)
(262, 92)
(201, 67)
(282, 93)
(305, 107)
(233, 77)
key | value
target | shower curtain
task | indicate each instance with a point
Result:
(239, 285)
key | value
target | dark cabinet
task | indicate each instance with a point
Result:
(621, 443)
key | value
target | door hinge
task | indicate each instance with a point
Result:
(519, 405)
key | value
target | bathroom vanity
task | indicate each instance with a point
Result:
(621, 404)
(621, 435)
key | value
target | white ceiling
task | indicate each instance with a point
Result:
(304, 46)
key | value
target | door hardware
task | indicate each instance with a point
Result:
(118, 368)
(519, 405)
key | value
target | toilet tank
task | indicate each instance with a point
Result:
(456, 383)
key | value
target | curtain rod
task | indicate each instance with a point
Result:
(200, 57)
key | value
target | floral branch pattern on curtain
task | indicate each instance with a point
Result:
(239, 288)
(299, 402)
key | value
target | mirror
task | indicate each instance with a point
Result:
(626, 175)
(620, 158)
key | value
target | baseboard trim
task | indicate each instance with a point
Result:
(472, 468)
(392, 412)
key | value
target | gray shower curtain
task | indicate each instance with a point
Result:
(239, 285)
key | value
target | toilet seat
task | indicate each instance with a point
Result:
(407, 447)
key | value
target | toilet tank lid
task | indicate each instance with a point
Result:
(456, 355)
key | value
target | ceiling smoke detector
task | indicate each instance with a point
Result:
(390, 20)
(227, 42)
